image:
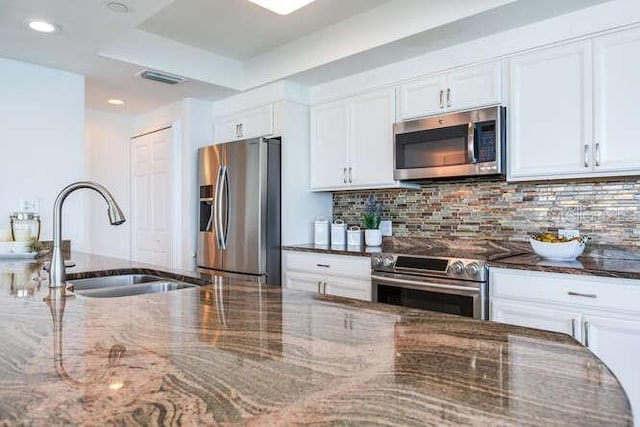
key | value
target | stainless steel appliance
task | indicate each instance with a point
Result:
(239, 212)
(465, 144)
(443, 284)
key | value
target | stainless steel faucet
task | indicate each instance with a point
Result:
(57, 275)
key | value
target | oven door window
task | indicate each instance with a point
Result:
(432, 148)
(434, 301)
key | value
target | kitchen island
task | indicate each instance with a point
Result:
(232, 352)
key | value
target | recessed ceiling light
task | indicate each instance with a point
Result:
(117, 6)
(41, 26)
(282, 7)
(116, 101)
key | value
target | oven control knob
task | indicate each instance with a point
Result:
(457, 267)
(473, 269)
(377, 260)
(387, 261)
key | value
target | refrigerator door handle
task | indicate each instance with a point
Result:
(216, 209)
(224, 227)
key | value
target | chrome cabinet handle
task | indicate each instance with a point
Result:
(578, 294)
(237, 130)
(448, 97)
(350, 174)
(573, 328)
(441, 98)
(586, 334)
(597, 154)
(324, 288)
(344, 175)
(586, 155)
(323, 265)
(240, 127)
(319, 286)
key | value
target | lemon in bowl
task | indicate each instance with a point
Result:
(557, 248)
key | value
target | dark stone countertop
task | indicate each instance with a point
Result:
(233, 353)
(605, 261)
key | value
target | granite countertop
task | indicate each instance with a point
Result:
(235, 353)
(605, 261)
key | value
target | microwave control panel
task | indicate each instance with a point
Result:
(486, 142)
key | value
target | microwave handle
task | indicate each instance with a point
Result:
(471, 146)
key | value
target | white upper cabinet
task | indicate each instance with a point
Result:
(250, 123)
(549, 115)
(474, 87)
(572, 110)
(617, 93)
(421, 97)
(461, 89)
(352, 143)
(371, 119)
(329, 145)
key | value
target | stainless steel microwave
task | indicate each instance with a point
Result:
(454, 145)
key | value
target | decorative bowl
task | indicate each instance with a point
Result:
(558, 251)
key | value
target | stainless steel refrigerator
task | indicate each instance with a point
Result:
(239, 215)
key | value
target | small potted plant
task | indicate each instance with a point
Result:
(371, 219)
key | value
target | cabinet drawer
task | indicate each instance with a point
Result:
(358, 267)
(586, 291)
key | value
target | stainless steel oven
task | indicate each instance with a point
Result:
(455, 286)
(465, 144)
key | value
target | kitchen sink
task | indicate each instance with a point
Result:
(124, 285)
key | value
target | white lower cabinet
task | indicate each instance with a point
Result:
(549, 319)
(339, 275)
(602, 313)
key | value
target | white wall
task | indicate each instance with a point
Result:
(42, 144)
(108, 163)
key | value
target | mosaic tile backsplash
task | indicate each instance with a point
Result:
(606, 210)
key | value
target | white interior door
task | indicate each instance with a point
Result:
(152, 197)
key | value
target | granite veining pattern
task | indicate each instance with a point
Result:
(232, 353)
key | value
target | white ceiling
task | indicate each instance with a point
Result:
(240, 29)
(225, 46)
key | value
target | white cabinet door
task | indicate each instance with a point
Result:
(550, 113)
(474, 87)
(617, 343)
(303, 281)
(616, 97)
(350, 288)
(257, 122)
(371, 138)
(329, 145)
(422, 97)
(227, 128)
(535, 316)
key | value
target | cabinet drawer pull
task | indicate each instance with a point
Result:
(586, 155)
(324, 288)
(441, 98)
(597, 154)
(344, 175)
(586, 334)
(324, 265)
(319, 286)
(573, 328)
(578, 294)
(449, 97)
(350, 174)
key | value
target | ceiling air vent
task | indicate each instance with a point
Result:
(161, 77)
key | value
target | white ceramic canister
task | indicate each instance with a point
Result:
(354, 236)
(338, 232)
(321, 231)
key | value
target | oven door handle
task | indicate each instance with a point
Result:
(425, 286)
